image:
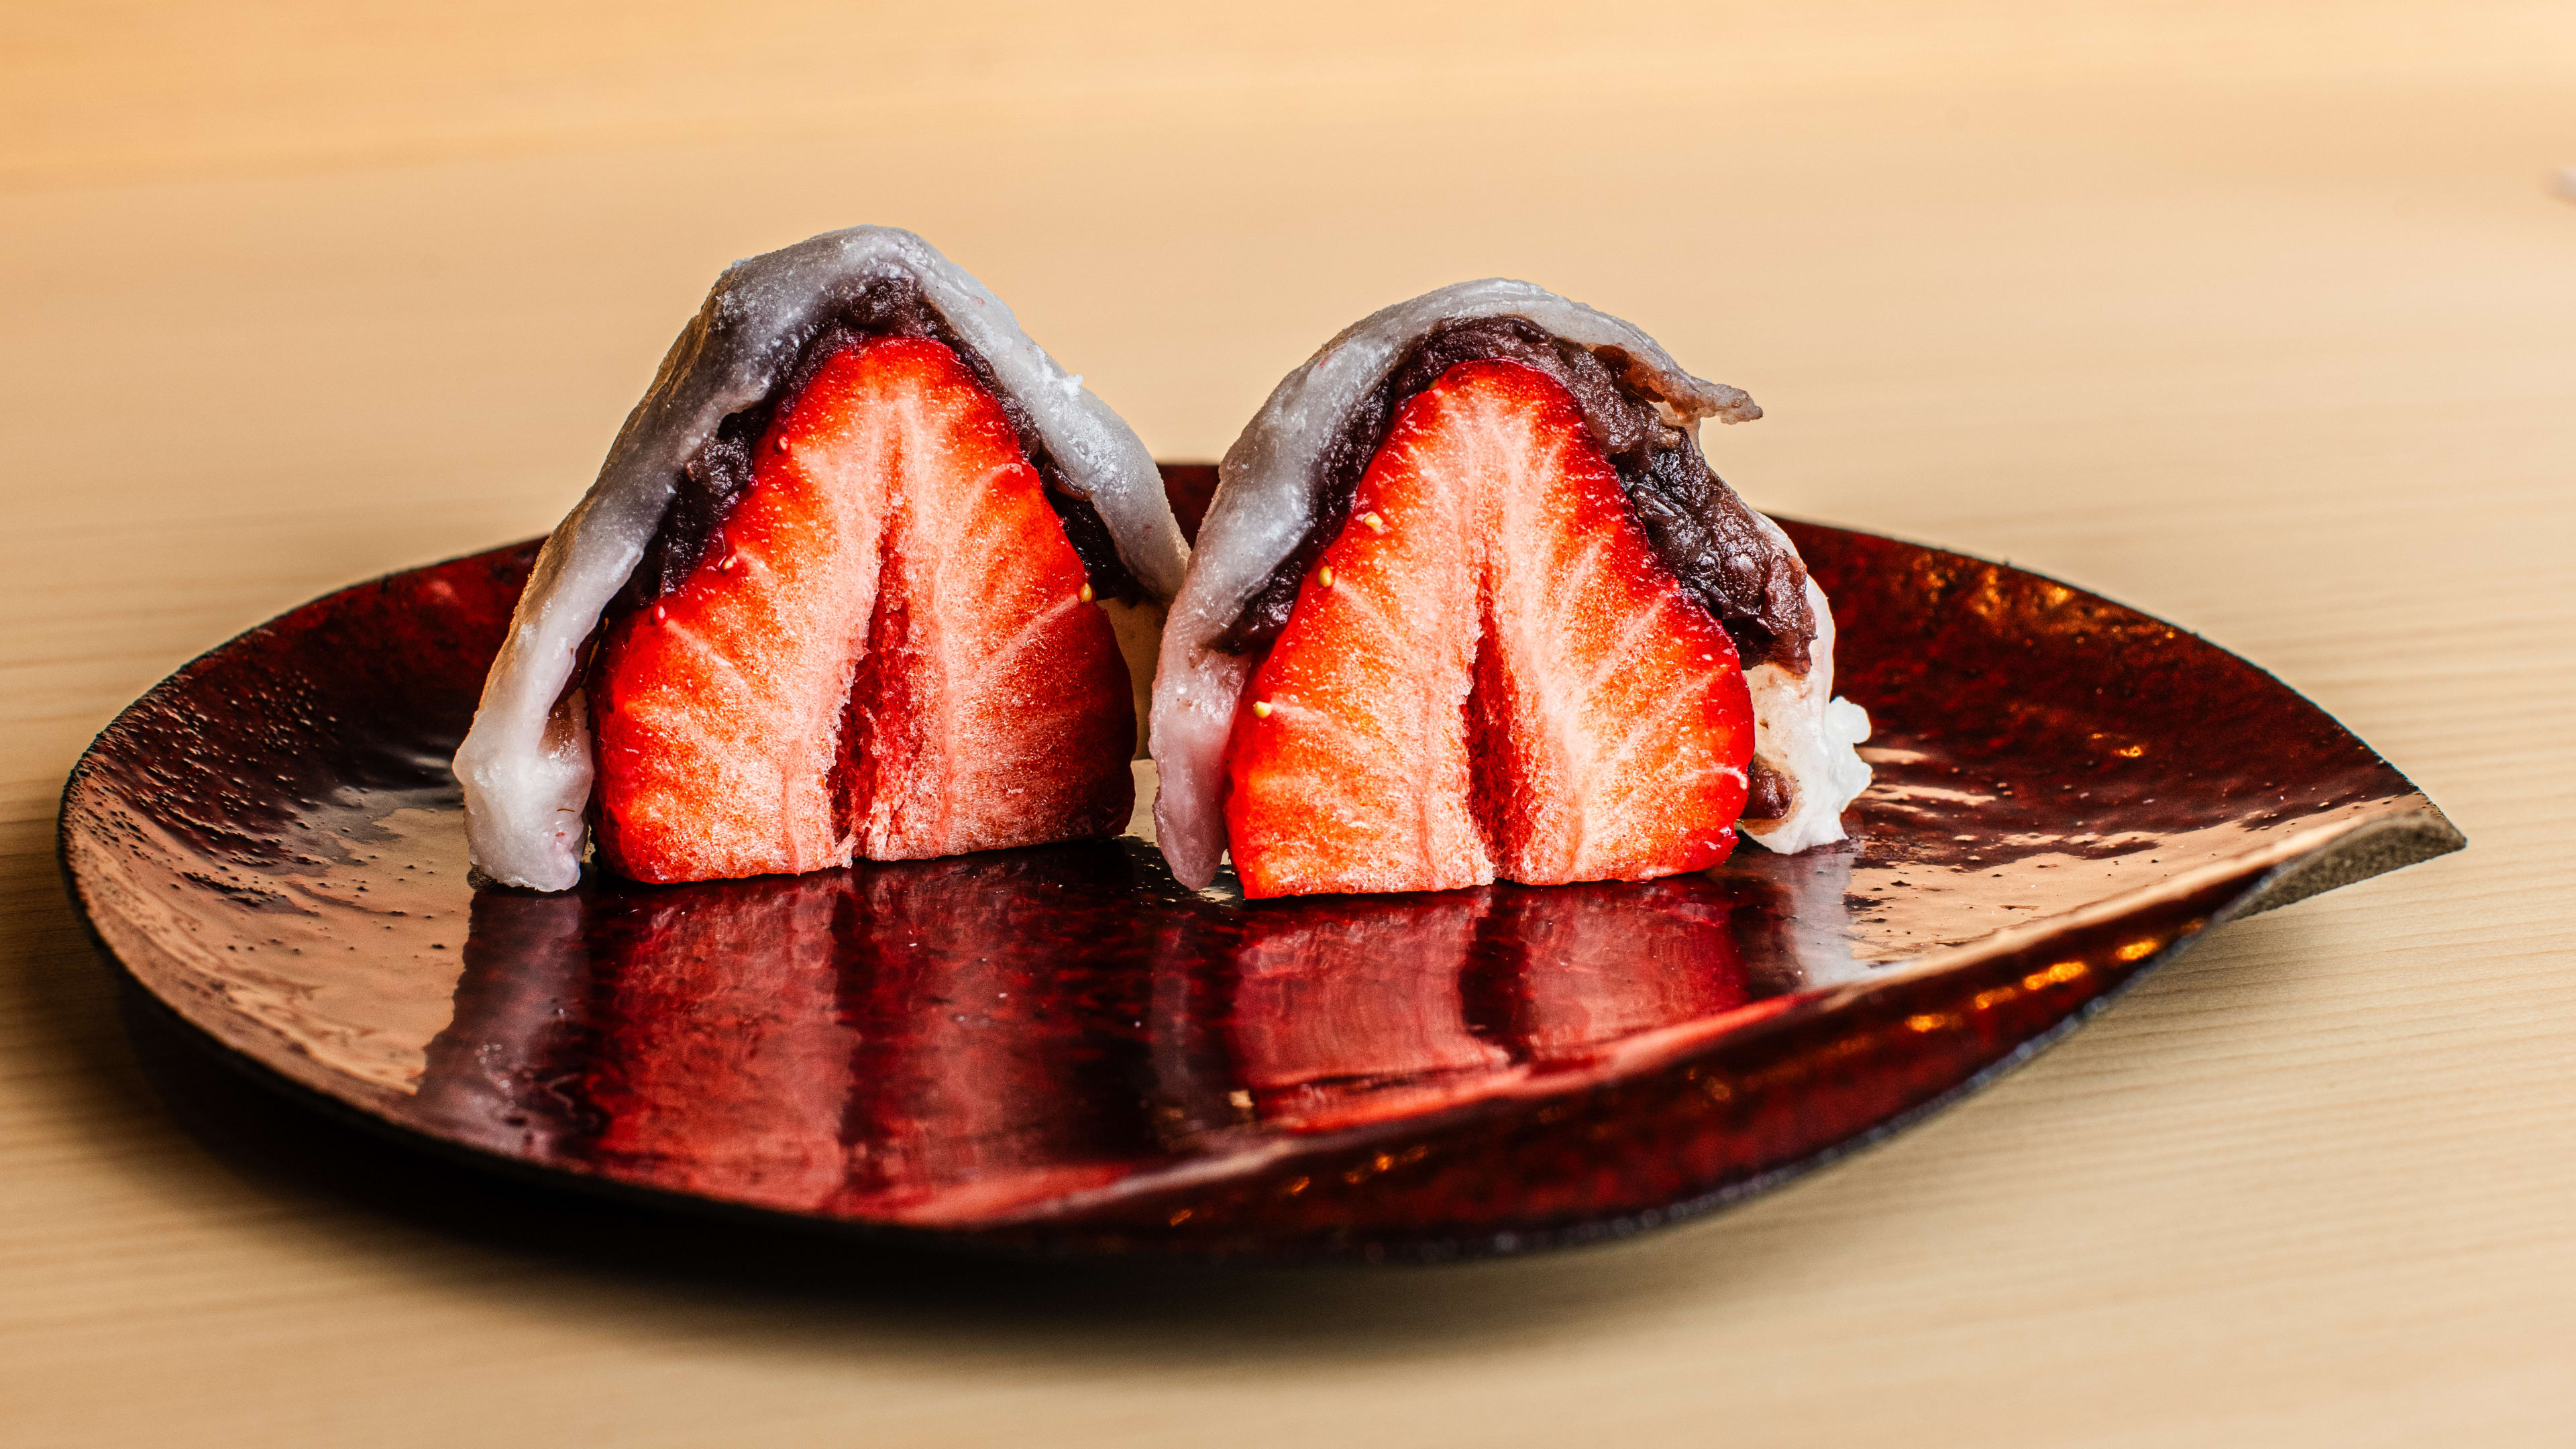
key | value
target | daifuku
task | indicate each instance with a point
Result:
(1469, 604)
(861, 577)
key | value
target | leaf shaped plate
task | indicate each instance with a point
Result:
(1060, 1050)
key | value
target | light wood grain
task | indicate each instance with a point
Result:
(2260, 317)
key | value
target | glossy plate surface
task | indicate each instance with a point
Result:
(1060, 1049)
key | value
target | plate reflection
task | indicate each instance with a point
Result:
(947, 1041)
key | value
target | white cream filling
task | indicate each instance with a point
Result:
(1808, 737)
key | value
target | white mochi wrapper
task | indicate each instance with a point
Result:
(526, 763)
(1265, 503)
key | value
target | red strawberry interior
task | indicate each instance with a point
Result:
(1488, 673)
(889, 649)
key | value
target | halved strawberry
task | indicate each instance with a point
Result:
(892, 653)
(1488, 674)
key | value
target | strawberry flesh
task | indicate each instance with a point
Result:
(1489, 674)
(888, 652)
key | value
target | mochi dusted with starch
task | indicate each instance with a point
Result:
(1469, 604)
(865, 575)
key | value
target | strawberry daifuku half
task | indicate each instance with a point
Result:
(1469, 604)
(1488, 673)
(866, 574)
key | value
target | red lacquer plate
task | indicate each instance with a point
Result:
(1061, 1050)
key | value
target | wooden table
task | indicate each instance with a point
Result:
(2260, 317)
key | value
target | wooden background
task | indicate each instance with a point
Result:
(2258, 316)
